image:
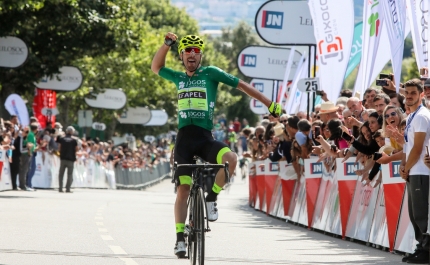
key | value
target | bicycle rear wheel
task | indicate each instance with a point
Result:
(197, 253)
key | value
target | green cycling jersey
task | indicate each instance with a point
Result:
(197, 94)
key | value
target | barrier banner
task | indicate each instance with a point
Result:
(347, 181)
(378, 232)
(394, 187)
(300, 211)
(42, 177)
(318, 221)
(313, 174)
(362, 210)
(405, 236)
(271, 172)
(276, 200)
(5, 178)
(331, 208)
(252, 185)
(288, 178)
(260, 181)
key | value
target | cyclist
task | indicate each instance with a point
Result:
(197, 91)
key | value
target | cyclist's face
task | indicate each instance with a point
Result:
(191, 58)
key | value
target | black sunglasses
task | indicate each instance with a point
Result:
(283, 121)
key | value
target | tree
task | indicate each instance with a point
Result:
(231, 42)
(58, 33)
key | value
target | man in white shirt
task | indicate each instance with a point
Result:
(414, 170)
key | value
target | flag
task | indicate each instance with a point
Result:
(418, 13)
(287, 74)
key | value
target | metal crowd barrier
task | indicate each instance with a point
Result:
(138, 178)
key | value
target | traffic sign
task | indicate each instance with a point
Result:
(99, 126)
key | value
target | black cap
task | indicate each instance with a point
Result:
(427, 83)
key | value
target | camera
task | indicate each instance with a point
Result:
(384, 76)
(381, 82)
(377, 155)
(319, 93)
(317, 131)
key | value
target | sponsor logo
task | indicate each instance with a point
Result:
(116, 99)
(181, 85)
(183, 115)
(272, 19)
(230, 76)
(424, 31)
(212, 104)
(306, 21)
(200, 83)
(192, 114)
(39, 167)
(12, 49)
(349, 168)
(374, 23)
(248, 60)
(316, 168)
(259, 86)
(192, 94)
(395, 169)
(330, 46)
(273, 167)
(282, 62)
(366, 194)
(257, 104)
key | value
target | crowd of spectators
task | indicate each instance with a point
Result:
(24, 143)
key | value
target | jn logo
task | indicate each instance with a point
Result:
(349, 169)
(330, 50)
(273, 167)
(256, 103)
(395, 169)
(248, 60)
(316, 168)
(259, 86)
(374, 23)
(272, 19)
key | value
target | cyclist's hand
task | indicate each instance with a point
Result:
(275, 109)
(170, 39)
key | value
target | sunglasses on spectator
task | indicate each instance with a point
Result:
(283, 121)
(192, 49)
(392, 114)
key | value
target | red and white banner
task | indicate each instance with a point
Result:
(394, 187)
(252, 185)
(271, 172)
(287, 75)
(288, 180)
(373, 17)
(378, 232)
(395, 21)
(313, 174)
(5, 178)
(300, 214)
(347, 181)
(294, 96)
(334, 30)
(405, 236)
(261, 185)
(418, 13)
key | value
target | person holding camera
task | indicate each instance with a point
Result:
(413, 168)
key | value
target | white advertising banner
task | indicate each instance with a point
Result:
(287, 75)
(374, 15)
(158, 118)
(286, 171)
(138, 115)
(70, 78)
(285, 22)
(395, 21)
(378, 233)
(108, 99)
(15, 105)
(266, 62)
(391, 173)
(405, 236)
(265, 87)
(294, 96)
(334, 30)
(300, 213)
(5, 178)
(13, 52)
(418, 13)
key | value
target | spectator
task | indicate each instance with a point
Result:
(328, 111)
(397, 100)
(236, 125)
(68, 147)
(380, 101)
(369, 95)
(356, 107)
(32, 148)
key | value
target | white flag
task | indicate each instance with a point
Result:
(418, 13)
(373, 18)
(334, 30)
(287, 74)
(294, 96)
(395, 21)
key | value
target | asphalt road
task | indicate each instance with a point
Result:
(137, 227)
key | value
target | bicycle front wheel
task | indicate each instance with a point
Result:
(198, 244)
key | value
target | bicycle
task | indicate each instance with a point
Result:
(198, 223)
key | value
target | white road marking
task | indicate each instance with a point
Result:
(99, 223)
(102, 230)
(117, 250)
(98, 218)
(106, 237)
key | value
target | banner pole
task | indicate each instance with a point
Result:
(314, 73)
(309, 75)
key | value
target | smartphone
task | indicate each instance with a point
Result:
(383, 76)
(427, 150)
(317, 131)
(377, 155)
(381, 82)
(346, 136)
